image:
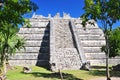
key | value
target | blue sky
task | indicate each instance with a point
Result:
(74, 7)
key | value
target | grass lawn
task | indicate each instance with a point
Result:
(39, 73)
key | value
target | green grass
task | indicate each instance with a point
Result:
(39, 73)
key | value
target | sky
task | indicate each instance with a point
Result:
(73, 7)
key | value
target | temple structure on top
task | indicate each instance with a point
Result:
(60, 43)
(57, 16)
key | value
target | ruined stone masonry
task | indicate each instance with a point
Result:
(60, 43)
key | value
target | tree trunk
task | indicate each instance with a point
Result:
(3, 61)
(107, 58)
(4, 66)
(107, 68)
(61, 75)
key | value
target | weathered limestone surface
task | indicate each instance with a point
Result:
(63, 35)
(36, 50)
(65, 55)
(68, 60)
(56, 44)
(79, 45)
(92, 39)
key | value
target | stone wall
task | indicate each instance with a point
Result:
(67, 58)
(92, 38)
(49, 39)
(36, 50)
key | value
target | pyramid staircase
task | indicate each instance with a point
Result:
(36, 50)
(58, 43)
(92, 39)
(64, 52)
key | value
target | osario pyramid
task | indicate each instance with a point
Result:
(61, 43)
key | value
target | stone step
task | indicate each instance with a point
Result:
(25, 56)
(93, 43)
(33, 30)
(63, 35)
(97, 61)
(91, 37)
(23, 62)
(30, 62)
(39, 24)
(34, 50)
(113, 61)
(34, 43)
(35, 36)
(92, 30)
(36, 53)
(31, 56)
(92, 49)
(91, 56)
(39, 19)
(79, 25)
(36, 26)
(91, 33)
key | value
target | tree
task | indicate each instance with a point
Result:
(12, 11)
(11, 16)
(104, 11)
(10, 42)
(115, 42)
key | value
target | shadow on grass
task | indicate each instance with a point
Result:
(98, 67)
(115, 73)
(97, 72)
(101, 71)
(55, 75)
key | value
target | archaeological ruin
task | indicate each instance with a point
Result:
(61, 43)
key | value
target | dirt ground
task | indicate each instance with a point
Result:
(104, 78)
